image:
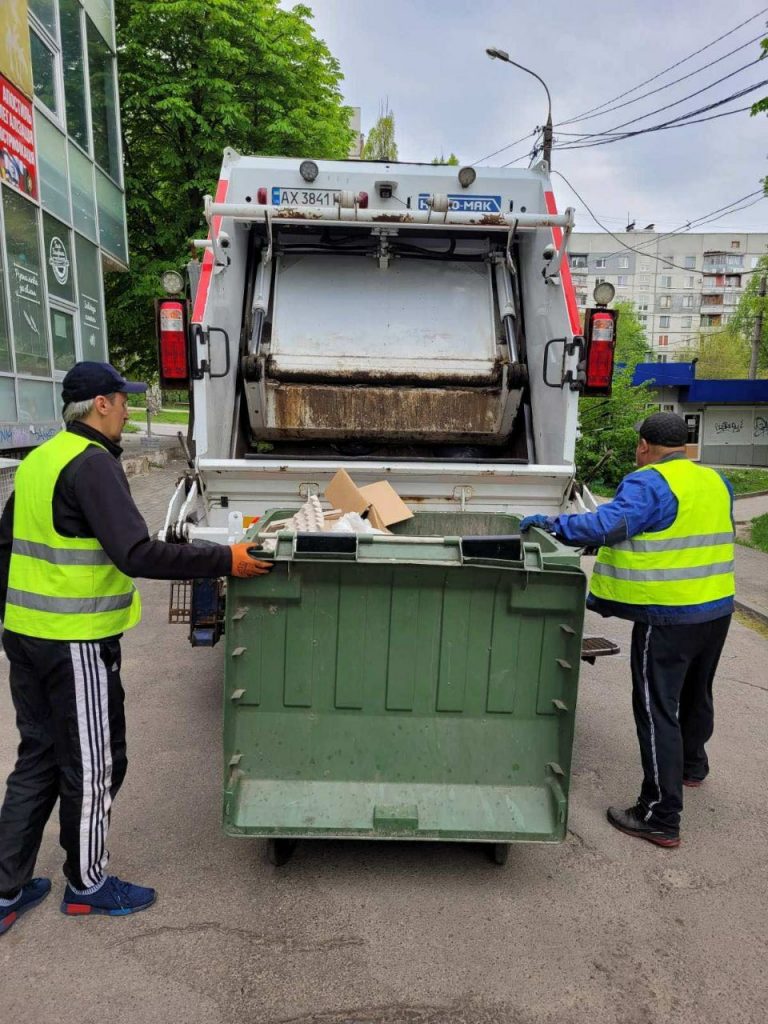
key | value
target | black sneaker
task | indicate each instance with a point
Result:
(692, 783)
(631, 823)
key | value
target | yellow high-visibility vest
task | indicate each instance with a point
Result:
(689, 563)
(61, 588)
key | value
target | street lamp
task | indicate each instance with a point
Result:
(496, 54)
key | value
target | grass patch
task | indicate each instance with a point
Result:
(130, 428)
(166, 416)
(744, 481)
(758, 534)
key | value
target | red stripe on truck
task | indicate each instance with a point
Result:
(565, 270)
(201, 297)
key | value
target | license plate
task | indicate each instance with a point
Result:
(303, 196)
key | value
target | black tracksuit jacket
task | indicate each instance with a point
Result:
(92, 499)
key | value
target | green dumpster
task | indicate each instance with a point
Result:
(419, 686)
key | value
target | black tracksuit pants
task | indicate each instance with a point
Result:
(69, 711)
(673, 668)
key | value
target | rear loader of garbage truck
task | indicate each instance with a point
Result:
(407, 328)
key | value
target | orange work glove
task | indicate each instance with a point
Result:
(244, 564)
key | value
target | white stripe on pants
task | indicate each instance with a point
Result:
(91, 694)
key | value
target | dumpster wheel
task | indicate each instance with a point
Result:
(280, 851)
(500, 853)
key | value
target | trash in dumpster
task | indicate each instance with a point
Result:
(378, 502)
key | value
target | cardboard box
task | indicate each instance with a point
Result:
(379, 503)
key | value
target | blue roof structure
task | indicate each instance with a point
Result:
(709, 392)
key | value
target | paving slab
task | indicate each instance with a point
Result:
(601, 929)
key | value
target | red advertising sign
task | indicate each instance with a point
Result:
(18, 166)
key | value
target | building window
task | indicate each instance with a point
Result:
(664, 321)
(44, 72)
(89, 289)
(645, 266)
(101, 65)
(74, 71)
(642, 318)
(645, 279)
(687, 302)
(663, 340)
(82, 189)
(30, 327)
(689, 283)
(624, 263)
(689, 262)
(59, 265)
(666, 281)
(642, 302)
(63, 332)
(52, 166)
(735, 244)
(754, 261)
(578, 260)
(8, 412)
(661, 358)
(45, 12)
(109, 200)
(686, 322)
(5, 337)
(734, 261)
(665, 302)
(35, 401)
(601, 264)
(623, 280)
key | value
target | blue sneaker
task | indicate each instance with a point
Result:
(32, 893)
(115, 898)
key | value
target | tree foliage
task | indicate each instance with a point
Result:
(448, 161)
(631, 344)
(720, 355)
(761, 107)
(743, 320)
(381, 144)
(605, 448)
(196, 77)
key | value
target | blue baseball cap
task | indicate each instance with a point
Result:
(86, 380)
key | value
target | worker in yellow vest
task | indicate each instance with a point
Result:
(665, 563)
(71, 541)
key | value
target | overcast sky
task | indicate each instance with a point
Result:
(427, 57)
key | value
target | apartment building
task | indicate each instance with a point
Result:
(62, 210)
(680, 284)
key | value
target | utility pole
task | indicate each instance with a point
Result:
(757, 333)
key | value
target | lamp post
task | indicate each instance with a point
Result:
(496, 54)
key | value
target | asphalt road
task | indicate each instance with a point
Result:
(602, 928)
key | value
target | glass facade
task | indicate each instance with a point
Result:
(55, 238)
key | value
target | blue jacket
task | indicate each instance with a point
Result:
(643, 503)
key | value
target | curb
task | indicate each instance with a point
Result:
(747, 609)
(749, 494)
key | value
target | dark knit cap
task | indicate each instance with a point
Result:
(666, 429)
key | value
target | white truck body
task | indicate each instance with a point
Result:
(384, 319)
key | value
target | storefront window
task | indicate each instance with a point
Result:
(74, 71)
(111, 217)
(63, 332)
(7, 400)
(5, 331)
(81, 190)
(30, 328)
(59, 269)
(89, 288)
(36, 401)
(52, 166)
(43, 72)
(45, 12)
(101, 69)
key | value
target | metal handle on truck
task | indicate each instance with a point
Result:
(199, 367)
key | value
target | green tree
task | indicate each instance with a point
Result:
(631, 344)
(381, 144)
(196, 77)
(720, 355)
(605, 448)
(448, 161)
(761, 107)
(750, 305)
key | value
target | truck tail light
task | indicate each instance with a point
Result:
(261, 196)
(172, 342)
(600, 337)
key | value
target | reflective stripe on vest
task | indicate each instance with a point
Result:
(689, 563)
(61, 588)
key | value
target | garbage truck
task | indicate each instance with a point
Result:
(414, 328)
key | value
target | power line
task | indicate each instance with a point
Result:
(671, 67)
(508, 146)
(631, 248)
(676, 103)
(661, 88)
